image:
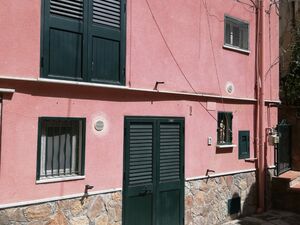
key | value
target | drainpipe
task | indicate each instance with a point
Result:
(260, 108)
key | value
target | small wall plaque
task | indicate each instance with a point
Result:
(229, 87)
(99, 125)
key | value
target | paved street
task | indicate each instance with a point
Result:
(272, 217)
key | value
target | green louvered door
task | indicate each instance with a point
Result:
(153, 171)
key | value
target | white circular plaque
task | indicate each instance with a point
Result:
(99, 125)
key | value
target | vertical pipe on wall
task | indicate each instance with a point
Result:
(261, 150)
(0, 131)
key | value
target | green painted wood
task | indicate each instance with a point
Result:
(63, 40)
(154, 171)
(106, 42)
(236, 33)
(283, 161)
(84, 40)
(244, 144)
(170, 193)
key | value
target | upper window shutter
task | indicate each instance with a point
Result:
(106, 40)
(229, 130)
(227, 33)
(236, 35)
(245, 36)
(63, 39)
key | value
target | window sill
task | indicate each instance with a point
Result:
(59, 179)
(250, 160)
(236, 49)
(225, 146)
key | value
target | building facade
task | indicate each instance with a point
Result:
(135, 112)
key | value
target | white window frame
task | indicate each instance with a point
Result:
(67, 172)
(244, 31)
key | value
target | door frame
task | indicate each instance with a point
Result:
(143, 118)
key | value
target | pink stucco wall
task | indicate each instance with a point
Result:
(184, 41)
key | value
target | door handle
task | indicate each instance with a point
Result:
(145, 191)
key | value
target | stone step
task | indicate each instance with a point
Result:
(295, 188)
(286, 191)
(286, 180)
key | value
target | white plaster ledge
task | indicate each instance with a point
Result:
(236, 49)
(225, 146)
(7, 90)
(59, 179)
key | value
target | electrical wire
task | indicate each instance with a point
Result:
(174, 58)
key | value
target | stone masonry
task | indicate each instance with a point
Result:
(206, 199)
(205, 204)
(104, 209)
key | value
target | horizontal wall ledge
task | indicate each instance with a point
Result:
(220, 174)
(7, 90)
(276, 102)
(107, 191)
(126, 88)
(44, 200)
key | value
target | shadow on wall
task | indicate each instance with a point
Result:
(241, 205)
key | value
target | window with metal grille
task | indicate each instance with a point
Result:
(84, 40)
(236, 33)
(224, 128)
(61, 147)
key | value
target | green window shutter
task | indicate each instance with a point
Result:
(229, 117)
(245, 36)
(236, 33)
(227, 33)
(106, 41)
(63, 39)
(244, 144)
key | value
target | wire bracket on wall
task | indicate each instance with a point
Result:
(156, 85)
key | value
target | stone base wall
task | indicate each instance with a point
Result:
(103, 209)
(206, 199)
(205, 203)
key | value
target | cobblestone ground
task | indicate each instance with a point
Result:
(272, 217)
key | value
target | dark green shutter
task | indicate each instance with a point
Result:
(154, 171)
(227, 32)
(170, 193)
(229, 117)
(245, 36)
(244, 144)
(106, 41)
(140, 154)
(139, 172)
(84, 40)
(63, 48)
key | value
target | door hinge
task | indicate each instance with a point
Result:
(124, 71)
(125, 7)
